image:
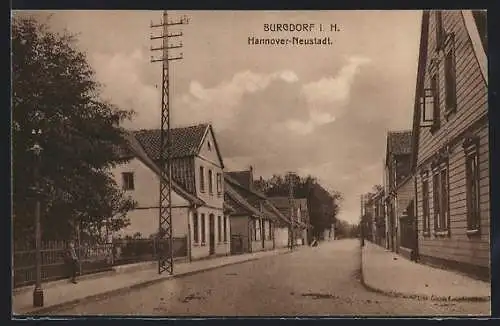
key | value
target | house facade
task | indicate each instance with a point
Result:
(253, 220)
(450, 137)
(198, 211)
(397, 169)
(379, 231)
(298, 219)
(407, 243)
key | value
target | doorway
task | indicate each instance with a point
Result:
(211, 238)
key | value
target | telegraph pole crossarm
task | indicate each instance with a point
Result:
(165, 257)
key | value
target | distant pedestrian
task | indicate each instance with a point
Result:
(72, 262)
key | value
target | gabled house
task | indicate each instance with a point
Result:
(379, 231)
(254, 219)
(450, 142)
(198, 211)
(397, 172)
(299, 220)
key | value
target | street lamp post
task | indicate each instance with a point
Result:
(37, 151)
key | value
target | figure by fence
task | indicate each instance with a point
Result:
(72, 262)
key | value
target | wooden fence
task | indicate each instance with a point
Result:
(93, 257)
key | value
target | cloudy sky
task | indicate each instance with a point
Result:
(320, 110)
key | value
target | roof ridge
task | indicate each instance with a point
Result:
(394, 132)
(205, 124)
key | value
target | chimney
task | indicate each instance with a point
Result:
(250, 177)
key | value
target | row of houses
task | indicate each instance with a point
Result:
(434, 205)
(218, 212)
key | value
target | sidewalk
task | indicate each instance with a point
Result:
(60, 294)
(387, 272)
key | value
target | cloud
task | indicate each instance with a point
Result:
(223, 100)
(327, 97)
(336, 89)
(122, 76)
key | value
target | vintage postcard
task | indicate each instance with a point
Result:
(250, 163)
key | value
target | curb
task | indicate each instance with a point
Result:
(136, 286)
(395, 294)
(115, 270)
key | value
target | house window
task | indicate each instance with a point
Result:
(436, 201)
(425, 207)
(219, 184)
(440, 195)
(472, 191)
(203, 229)
(209, 145)
(202, 179)
(225, 228)
(444, 218)
(219, 228)
(128, 180)
(450, 80)
(196, 227)
(435, 105)
(257, 229)
(440, 33)
(210, 182)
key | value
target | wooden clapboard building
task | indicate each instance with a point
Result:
(450, 147)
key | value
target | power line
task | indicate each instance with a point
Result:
(165, 253)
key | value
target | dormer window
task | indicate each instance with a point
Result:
(209, 145)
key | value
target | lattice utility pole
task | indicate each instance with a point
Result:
(165, 253)
(292, 208)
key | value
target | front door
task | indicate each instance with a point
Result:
(211, 238)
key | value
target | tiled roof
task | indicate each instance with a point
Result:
(399, 142)
(186, 141)
(273, 209)
(282, 204)
(255, 199)
(229, 207)
(139, 152)
(242, 177)
(240, 204)
(229, 178)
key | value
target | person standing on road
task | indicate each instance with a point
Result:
(72, 262)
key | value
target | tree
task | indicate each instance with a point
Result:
(80, 135)
(345, 229)
(377, 188)
(323, 205)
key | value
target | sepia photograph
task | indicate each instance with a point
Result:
(250, 163)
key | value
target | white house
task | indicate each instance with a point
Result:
(198, 194)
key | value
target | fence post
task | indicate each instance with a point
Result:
(188, 243)
(113, 253)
